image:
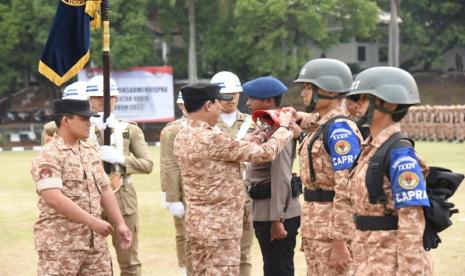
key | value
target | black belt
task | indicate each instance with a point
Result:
(376, 223)
(318, 195)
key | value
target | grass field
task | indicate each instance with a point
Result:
(18, 212)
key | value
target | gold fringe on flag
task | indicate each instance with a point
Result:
(93, 10)
(59, 80)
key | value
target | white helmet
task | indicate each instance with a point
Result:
(95, 87)
(227, 81)
(180, 100)
(75, 91)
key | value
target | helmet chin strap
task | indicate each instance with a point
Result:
(367, 118)
(316, 96)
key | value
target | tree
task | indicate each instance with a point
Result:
(255, 37)
(131, 40)
(431, 28)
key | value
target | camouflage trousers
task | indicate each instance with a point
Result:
(317, 253)
(80, 262)
(214, 257)
(180, 240)
(380, 258)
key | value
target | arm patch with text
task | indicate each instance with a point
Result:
(407, 181)
(344, 145)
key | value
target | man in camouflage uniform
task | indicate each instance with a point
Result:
(421, 121)
(73, 188)
(325, 158)
(129, 154)
(460, 127)
(171, 183)
(209, 160)
(379, 247)
(433, 118)
(276, 207)
(237, 124)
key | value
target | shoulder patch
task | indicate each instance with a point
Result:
(407, 181)
(344, 145)
(45, 173)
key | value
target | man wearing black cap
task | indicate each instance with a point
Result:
(73, 188)
(209, 160)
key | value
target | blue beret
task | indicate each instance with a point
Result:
(264, 88)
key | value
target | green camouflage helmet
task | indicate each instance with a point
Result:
(328, 74)
(390, 84)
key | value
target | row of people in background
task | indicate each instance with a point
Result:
(70, 164)
(207, 188)
(435, 123)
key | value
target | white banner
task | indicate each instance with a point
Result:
(146, 93)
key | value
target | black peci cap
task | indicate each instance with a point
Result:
(78, 107)
(203, 91)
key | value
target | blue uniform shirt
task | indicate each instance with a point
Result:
(407, 181)
(344, 145)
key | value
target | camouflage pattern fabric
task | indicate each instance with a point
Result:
(397, 252)
(210, 168)
(317, 261)
(209, 161)
(247, 234)
(78, 262)
(324, 221)
(62, 244)
(78, 173)
(218, 258)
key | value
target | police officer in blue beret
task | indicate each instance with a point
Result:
(276, 209)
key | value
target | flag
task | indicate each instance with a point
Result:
(67, 49)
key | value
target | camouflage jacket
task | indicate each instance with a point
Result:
(209, 160)
(78, 173)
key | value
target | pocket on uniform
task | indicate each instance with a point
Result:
(72, 183)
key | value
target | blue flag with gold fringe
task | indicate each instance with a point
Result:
(67, 49)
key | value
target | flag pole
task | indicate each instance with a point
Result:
(106, 73)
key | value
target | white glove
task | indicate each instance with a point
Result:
(177, 209)
(111, 121)
(98, 121)
(111, 155)
(164, 204)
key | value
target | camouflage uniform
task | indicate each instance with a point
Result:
(323, 222)
(396, 252)
(66, 247)
(433, 117)
(247, 234)
(137, 161)
(214, 192)
(421, 121)
(171, 182)
(460, 128)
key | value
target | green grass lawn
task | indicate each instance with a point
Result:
(157, 248)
